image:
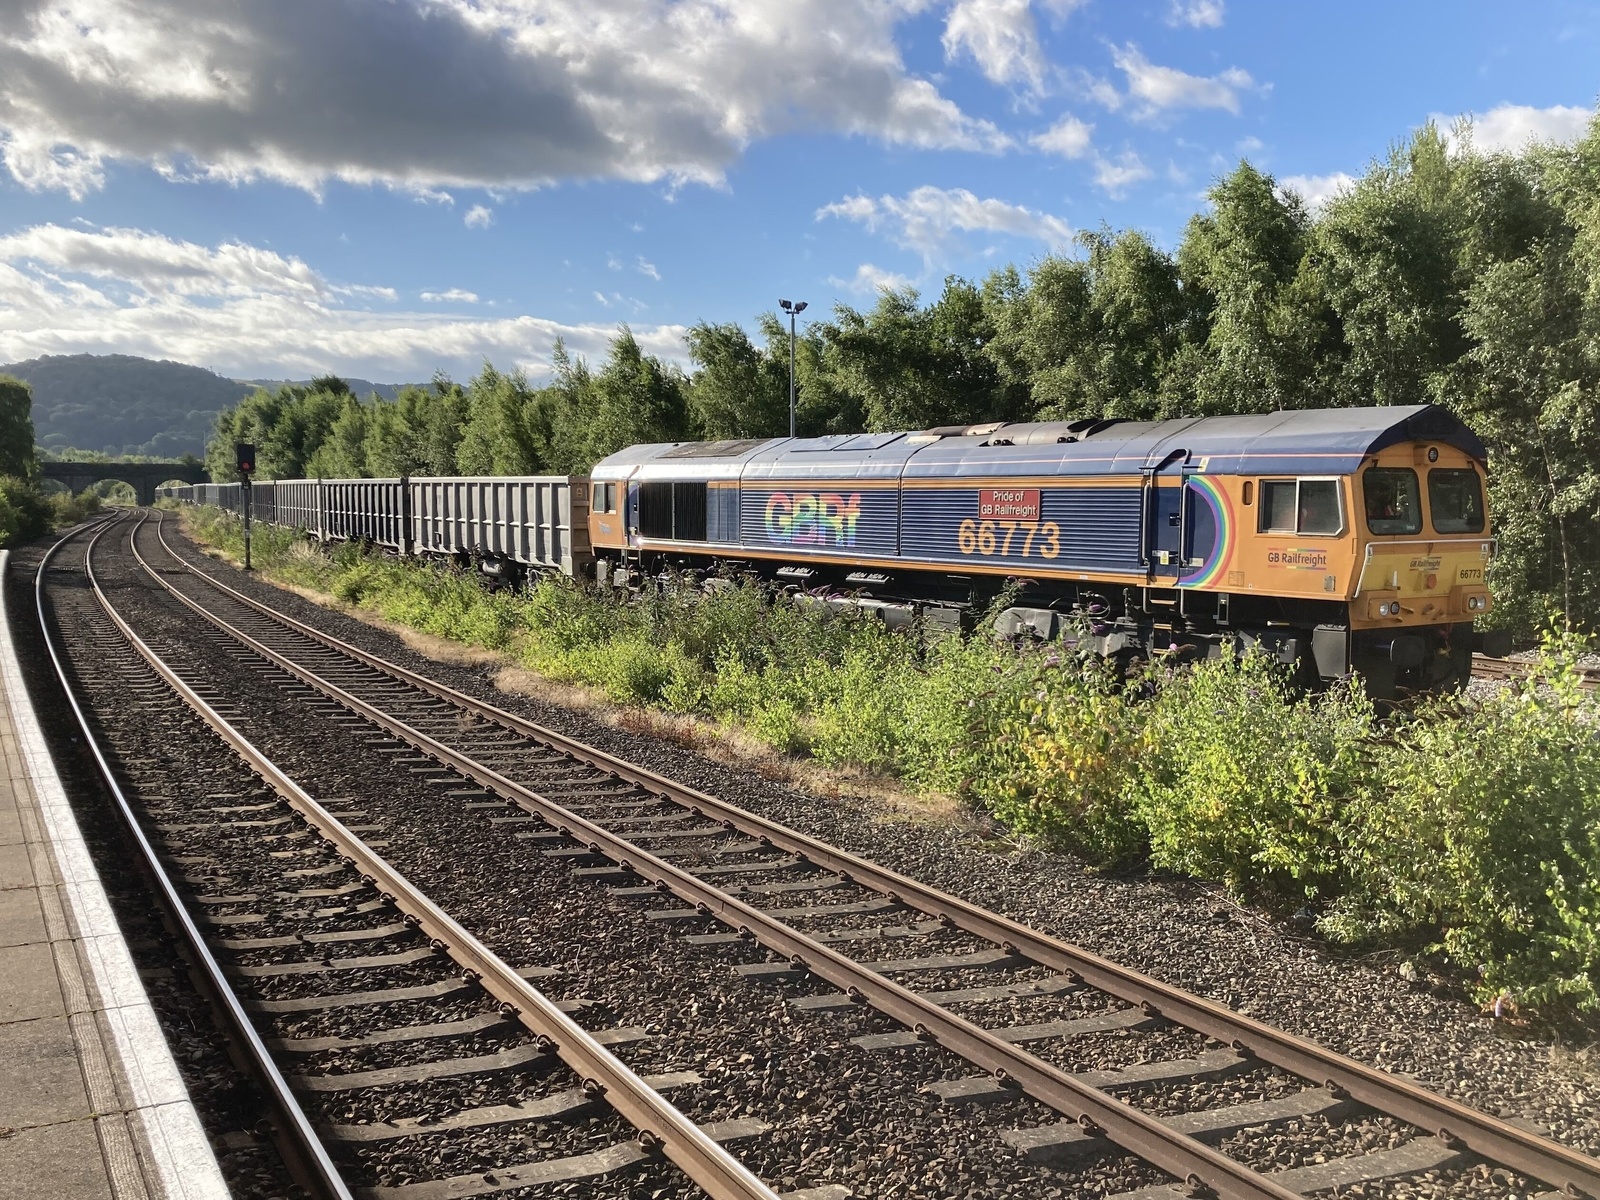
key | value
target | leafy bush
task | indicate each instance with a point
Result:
(1060, 757)
(1242, 779)
(1482, 825)
(27, 513)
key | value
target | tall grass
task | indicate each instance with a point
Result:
(1472, 829)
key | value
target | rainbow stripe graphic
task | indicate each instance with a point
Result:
(1223, 518)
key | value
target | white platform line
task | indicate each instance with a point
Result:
(159, 1101)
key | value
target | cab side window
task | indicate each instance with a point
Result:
(1318, 509)
(605, 498)
(1308, 506)
(1277, 505)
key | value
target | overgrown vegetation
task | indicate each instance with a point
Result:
(1472, 830)
(26, 511)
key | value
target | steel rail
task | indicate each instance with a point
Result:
(304, 1154)
(662, 1128)
(1206, 1171)
(1484, 667)
(1542, 1158)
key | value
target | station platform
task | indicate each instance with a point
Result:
(91, 1102)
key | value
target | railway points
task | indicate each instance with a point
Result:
(898, 972)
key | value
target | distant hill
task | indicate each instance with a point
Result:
(122, 404)
(361, 387)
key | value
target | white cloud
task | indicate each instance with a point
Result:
(451, 296)
(1158, 88)
(1317, 190)
(1508, 128)
(250, 312)
(1002, 37)
(645, 267)
(479, 217)
(925, 220)
(519, 92)
(158, 266)
(870, 280)
(1197, 14)
(1096, 88)
(1116, 176)
(1068, 137)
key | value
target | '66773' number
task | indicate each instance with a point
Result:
(997, 537)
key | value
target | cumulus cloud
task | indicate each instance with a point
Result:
(430, 94)
(1115, 176)
(870, 280)
(1155, 89)
(924, 220)
(251, 312)
(1317, 190)
(1197, 14)
(1002, 37)
(450, 296)
(479, 217)
(1069, 137)
(1511, 127)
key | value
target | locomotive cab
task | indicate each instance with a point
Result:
(1425, 556)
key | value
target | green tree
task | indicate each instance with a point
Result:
(1096, 336)
(343, 453)
(910, 367)
(1388, 249)
(637, 398)
(739, 389)
(496, 438)
(16, 428)
(1240, 260)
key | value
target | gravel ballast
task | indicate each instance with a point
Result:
(1182, 933)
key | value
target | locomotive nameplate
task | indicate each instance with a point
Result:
(1009, 504)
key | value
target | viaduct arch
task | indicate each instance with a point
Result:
(143, 477)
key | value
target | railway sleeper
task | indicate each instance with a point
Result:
(593, 1165)
(1063, 1141)
(986, 1089)
(1411, 1158)
(557, 1106)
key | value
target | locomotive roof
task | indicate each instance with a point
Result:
(1297, 441)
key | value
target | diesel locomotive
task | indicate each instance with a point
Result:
(1335, 540)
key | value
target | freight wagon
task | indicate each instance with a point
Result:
(508, 523)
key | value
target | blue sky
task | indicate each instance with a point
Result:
(384, 188)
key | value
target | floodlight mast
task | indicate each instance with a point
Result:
(794, 309)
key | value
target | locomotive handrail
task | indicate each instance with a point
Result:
(1147, 477)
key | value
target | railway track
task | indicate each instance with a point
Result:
(740, 880)
(282, 902)
(1484, 667)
